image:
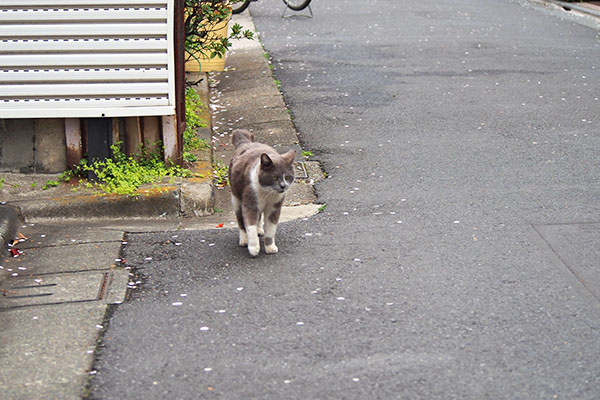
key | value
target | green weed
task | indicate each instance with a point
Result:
(123, 174)
(191, 141)
(220, 174)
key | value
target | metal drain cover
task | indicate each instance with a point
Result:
(53, 289)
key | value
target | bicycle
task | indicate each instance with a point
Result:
(295, 5)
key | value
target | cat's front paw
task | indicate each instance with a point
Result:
(271, 249)
(243, 239)
(254, 250)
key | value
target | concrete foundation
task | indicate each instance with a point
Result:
(32, 145)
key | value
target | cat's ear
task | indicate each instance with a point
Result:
(290, 156)
(265, 161)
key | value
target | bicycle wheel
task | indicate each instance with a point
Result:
(297, 5)
(239, 6)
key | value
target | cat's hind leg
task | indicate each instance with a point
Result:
(237, 208)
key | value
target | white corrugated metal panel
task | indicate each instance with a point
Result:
(56, 45)
(80, 3)
(86, 58)
(85, 75)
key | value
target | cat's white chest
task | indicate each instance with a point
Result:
(265, 198)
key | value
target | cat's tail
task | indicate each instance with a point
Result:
(240, 136)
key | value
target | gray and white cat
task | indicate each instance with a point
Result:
(259, 177)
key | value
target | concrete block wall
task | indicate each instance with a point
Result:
(32, 145)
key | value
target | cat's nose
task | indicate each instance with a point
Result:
(283, 184)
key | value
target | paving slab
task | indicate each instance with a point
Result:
(57, 235)
(238, 79)
(53, 289)
(46, 352)
(70, 258)
(274, 133)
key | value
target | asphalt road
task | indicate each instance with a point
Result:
(457, 256)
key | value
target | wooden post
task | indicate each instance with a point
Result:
(151, 133)
(73, 141)
(169, 134)
(116, 130)
(133, 135)
(179, 54)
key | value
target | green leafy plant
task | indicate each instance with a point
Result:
(220, 174)
(307, 153)
(64, 177)
(201, 23)
(49, 184)
(1, 183)
(123, 174)
(193, 121)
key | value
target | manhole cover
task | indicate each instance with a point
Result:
(53, 289)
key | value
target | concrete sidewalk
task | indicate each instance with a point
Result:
(586, 7)
(68, 271)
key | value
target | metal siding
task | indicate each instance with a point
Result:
(55, 45)
(86, 58)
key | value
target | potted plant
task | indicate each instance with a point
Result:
(207, 37)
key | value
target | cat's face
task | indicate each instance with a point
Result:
(277, 172)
